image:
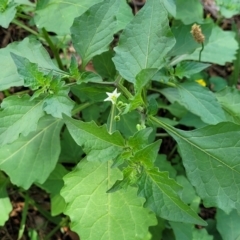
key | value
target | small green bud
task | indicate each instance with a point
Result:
(117, 118)
(140, 127)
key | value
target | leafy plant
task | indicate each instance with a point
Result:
(94, 139)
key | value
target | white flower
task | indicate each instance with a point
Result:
(112, 96)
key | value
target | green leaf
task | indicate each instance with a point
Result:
(98, 144)
(59, 103)
(229, 98)
(200, 101)
(70, 151)
(86, 92)
(187, 68)
(28, 72)
(60, 14)
(14, 118)
(28, 48)
(53, 185)
(7, 13)
(217, 83)
(5, 204)
(188, 232)
(103, 64)
(147, 155)
(96, 214)
(124, 15)
(93, 31)
(140, 139)
(189, 11)
(228, 8)
(31, 159)
(86, 77)
(161, 197)
(221, 47)
(210, 156)
(144, 43)
(228, 224)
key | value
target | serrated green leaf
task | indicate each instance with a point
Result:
(140, 139)
(210, 156)
(161, 197)
(89, 77)
(165, 166)
(147, 155)
(124, 15)
(7, 13)
(228, 224)
(28, 72)
(98, 144)
(60, 14)
(53, 185)
(93, 31)
(144, 43)
(187, 68)
(200, 101)
(189, 11)
(103, 64)
(32, 158)
(96, 214)
(28, 48)
(59, 103)
(15, 115)
(5, 204)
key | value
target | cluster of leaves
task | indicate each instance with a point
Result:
(121, 186)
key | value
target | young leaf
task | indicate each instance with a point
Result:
(31, 159)
(60, 14)
(14, 119)
(96, 214)
(200, 101)
(161, 197)
(144, 43)
(58, 103)
(98, 144)
(93, 31)
(228, 224)
(211, 159)
(187, 68)
(147, 155)
(28, 48)
(28, 72)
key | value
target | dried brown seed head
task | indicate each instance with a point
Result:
(197, 33)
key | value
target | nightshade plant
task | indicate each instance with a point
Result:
(109, 123)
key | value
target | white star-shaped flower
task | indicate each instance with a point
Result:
(112, 96)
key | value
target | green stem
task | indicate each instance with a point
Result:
(23, 16)
(54, 50)
(124, 90)
(200, 53)
(111, 120)
(172, 152)
(57, 227)
(162, 135)
(80, 107)
(233, 80)
(24, 216)
(18, 23)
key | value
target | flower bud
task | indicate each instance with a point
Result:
(197, 33)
